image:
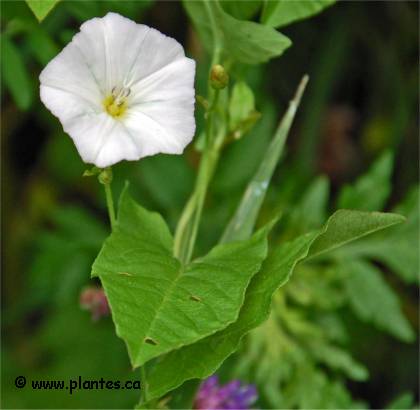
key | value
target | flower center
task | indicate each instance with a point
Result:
(115, 104)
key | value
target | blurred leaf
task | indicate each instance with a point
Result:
(243, 221)
(370, 191)
(242, 10)
(329, 60)
(15, 74)
(59, 150)
(310, 212)
(345, 226)
(374, 301)
(66, 345)
(41, 7)
(42, 45)
(245, 41)
(339, 359)
(82, 10)
(282, 12)
(85, 10)
(158, 174)
(241, 104)
(176, 305)
(63, 257)
(403, 402)
(313, 287)
(311, 389)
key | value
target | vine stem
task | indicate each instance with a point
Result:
(110, 204)
(187, 229)
(143, 385)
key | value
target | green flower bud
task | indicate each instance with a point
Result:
(219, 78)
(105, 177)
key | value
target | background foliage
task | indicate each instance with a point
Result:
(342, 333)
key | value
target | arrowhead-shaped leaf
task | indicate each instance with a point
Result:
(41, 8)
(159, 305)
(345, 226)
(201, 359)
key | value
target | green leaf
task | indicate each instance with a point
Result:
(396, 247)
(345, 226)
(41, 7)
(243, 221)
(14, 74)
(245, 41)
(282, 12)
(182, 364)
(373, 301)
(242, 10)
(157, 304)
(241, 104)
(371, 191)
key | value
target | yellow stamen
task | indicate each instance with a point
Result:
(115, 107)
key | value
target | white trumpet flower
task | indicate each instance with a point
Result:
(121, 91)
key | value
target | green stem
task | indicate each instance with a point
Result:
(110, 204)
(143, 385)
(187, 228)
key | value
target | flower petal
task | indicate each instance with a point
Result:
(115, 52)
(161, 113)
(101, 140)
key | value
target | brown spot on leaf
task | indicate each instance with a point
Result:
(125, 273)
(195, 298)
(150, 341)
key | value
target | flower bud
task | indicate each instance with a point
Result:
(219, 78)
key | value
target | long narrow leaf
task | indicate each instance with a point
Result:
(243, 221)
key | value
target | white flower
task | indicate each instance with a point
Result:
(121, 91)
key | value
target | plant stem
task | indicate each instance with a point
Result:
(110, 203)
(143, 385)
(187, 229)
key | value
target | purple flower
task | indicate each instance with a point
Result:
(232, 395)
(94, 299)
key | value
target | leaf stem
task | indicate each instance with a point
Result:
(143, 384)
(187, 228)
(105, 178)
(110, 204)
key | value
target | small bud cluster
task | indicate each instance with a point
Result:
(219, 78)
(94, 300)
